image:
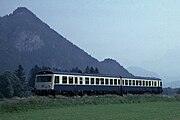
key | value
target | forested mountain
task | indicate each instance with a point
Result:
(26, 40)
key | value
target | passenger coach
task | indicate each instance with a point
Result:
(49, 82)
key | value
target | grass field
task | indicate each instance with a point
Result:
(106, 107)
(133, 111)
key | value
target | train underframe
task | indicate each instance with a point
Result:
(97, 92)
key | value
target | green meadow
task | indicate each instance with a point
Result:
(92, 108)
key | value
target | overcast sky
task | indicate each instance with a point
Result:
(142, 33)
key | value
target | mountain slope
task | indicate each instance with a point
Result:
(112, 66)
(141, 72)
(26, 40)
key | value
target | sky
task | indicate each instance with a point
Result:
(143, 33)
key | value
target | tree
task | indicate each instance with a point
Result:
(20, 73)
(76, 70)
(178, 91)
(96, 70)
(32, 75)
(6, 85)
(45, 68)
(91, 71)
(56, 69)
(11, 85)
(87, 70)
(1, 95)
(22, 87)
(168, 91)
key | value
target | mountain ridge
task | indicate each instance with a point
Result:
(27, 40)
(138, 71)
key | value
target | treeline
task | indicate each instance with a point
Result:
(171, 91)
(14, 83)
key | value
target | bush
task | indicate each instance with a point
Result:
(35, 102)
(1, 96)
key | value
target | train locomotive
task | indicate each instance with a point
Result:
(51, 82)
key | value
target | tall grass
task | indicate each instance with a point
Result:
(36, 102)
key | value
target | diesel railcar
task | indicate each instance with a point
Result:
(50, 82)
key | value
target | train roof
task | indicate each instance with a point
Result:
(98, 75)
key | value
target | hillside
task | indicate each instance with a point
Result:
(26, 40)
(173, 84)
(141, 72)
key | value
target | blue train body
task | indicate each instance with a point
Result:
(75, 83)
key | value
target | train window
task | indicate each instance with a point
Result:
(115, 81)
(155, 84)
(134, 82)
(64, 79)
(70, 80)
(129, 82)
(76, 80)
(86, 80)
(106, 81)
(140, 82)
(92, 81)
(97, 81)
(119, 82)
(143, 83)
(126, 82)
(81, 80)
(152, 83)
(161, 84)
(102, 81)
(111, 81)
(149, 83)
(43, 79)
(137, 82)
(56, 79)
(146, 83)
(123, 82)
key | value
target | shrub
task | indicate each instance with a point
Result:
(36, 102)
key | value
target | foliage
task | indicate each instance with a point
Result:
(87, 70)
(32, 75)
(33, 102)
(22, 83)
(56, 69)
(171, 91)
(91, 70)
(20, 73)
(10, 85)
(76, 70)
(96, 70)
(178, 91)
(13, 84)
(1, 95)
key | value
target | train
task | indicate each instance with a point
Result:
(66, 83)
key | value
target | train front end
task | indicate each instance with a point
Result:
(44, 83)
